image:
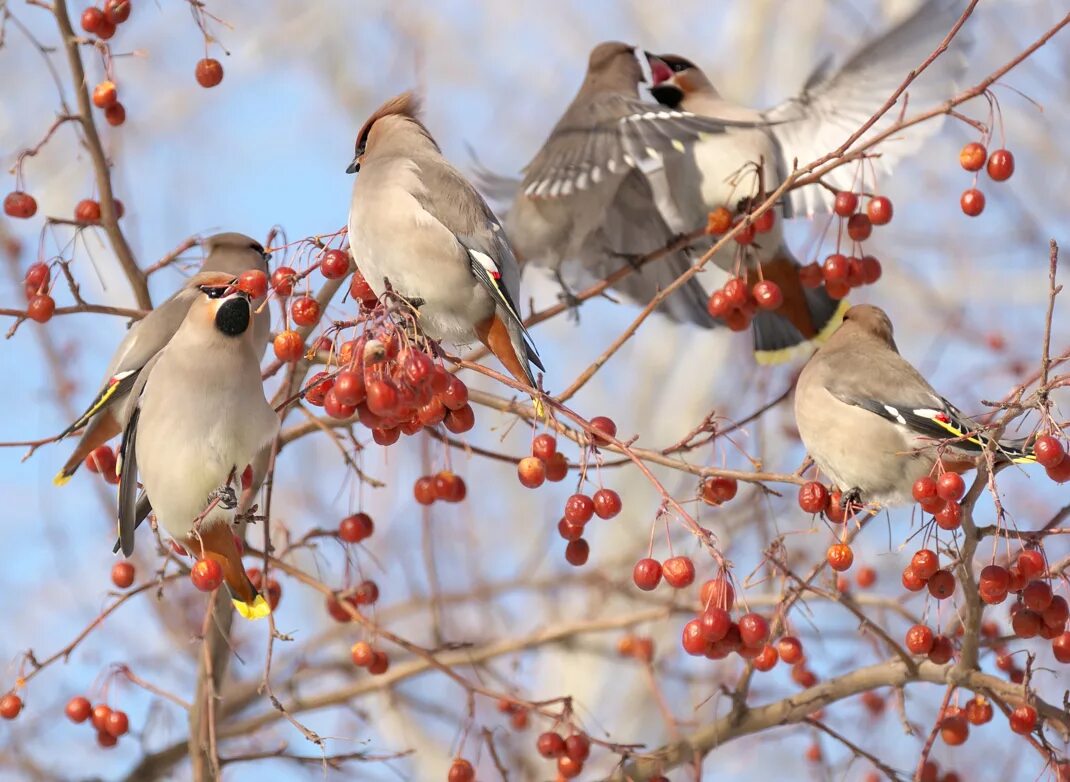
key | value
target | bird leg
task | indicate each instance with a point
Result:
(567, 297)
(226, 496)
(851, 497)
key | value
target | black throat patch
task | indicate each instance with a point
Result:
(233, 317)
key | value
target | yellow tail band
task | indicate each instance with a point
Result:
(257, 609)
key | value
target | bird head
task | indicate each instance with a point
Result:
(398, 115)
(674, 77)
(870, 320)
(232, 241)
(218, 306)
(613, 66)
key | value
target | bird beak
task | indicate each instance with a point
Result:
(659, 70)
(354, 167)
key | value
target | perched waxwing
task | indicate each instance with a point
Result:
(418, 226)
(197, 416)
(873, 424)
(608, 140)
(232, 253)
(723, 169)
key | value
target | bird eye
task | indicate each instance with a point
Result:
(214, 291)
(679, 65)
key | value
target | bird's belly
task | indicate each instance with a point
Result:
(726, 165)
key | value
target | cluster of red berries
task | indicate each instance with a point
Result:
(1051, 455)
(106, 97)
(102, 460)
(88, 211)
(720, 221)
(713, 634)
(840, 273)
(816, 498)
(973, 157)
(546, 463)
(736, 303)
(518, 714)
(955, 721)
(940, 497)
(364, 655)
(580, 509)
(103, 22)
(39, 303)
(570, 753)
(444, 485)
(271, 589)
(110, 723)
(924, 571)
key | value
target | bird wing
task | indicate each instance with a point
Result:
(453, 201)
(835, 103)
(609, 134)
(126, 464)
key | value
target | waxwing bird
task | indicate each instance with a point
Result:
(873, 424)
(197, 416)
(419, 227)
(232, 253)
(608, 141)
(720, 170)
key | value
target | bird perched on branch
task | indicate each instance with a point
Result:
(196, 417)
(232, 253)
(417, 226)
(874, 425)
(720, 170)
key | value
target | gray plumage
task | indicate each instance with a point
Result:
(872, 423)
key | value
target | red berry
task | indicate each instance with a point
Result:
(117, 11)
(122, 574)
(715, 624)
(335, 408)
(1057, 613)
(1048, 450)
(87, 211)
(840, 557)
(693, 640)
(1037, 596)
(924, 489)
(92, 20)
(919, 639)
(550, 745)
(253, 282)
(556, 467)
(600, 424)
(978, 711)
(567, 768)
(813, 497)
(106, 29)
(115, 115)
(941, 584)
(78, 709)
(846, 203)
(942, 650)
(717, 593)
(647, 574)
(288, 346)
(972, 156)
(871, 270)
(579, 508)
(569, 531)
(679, 572)
(951, 487)
(810, 275)
(208, 72)
(835, 268)
(40, 308)
(746, 234)
(1060, 648)
(105, 94)
(1060, 473)
(305, 311)
(859, 227)
(790, 649)
(1024, 718)
(866, 577)
(335, 264)
(879, 210)
(718, 489)
(718, 221)
(38, 275)
(461, 771)
(607, 503)
(950, 516)
(117, 723)
(912, 582)
(362, 653)
(207, 574)
(424, 490)
(753, 629)
(10, 706)
(455, 396)
(100, 715)
(972, 202)
(763, 223)
(767, 293)
(355, 528)
(461, 420)
(101, 460)
(993, 584)
(578, 747)
(924, 563)
(382, 397)
(766, 659)
(531, 471)
(360, 290)
(1031, 563)
(954, 729)
(577, 552)
(544, 446)
(282, 280)
(349, 388)
(367, 593)
(1001, 165)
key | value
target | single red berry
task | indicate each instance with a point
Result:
(556, 467)
(912, 582)
(20, 205)
(764, 222)
(717, 593)
(942, 650)
(350, 390)
(253, 282)
(719, 489)
(766, 659)
(602, 425)
(10, 706)
(282, 280)
(1060, 473)
(715, 623)
(1060, 648)
(289, 346)
(810, 275)
(424, 490)
(840, 557)
(78, 709)
(100, 715)
(207, 575)
(972, 202)
(954, 729)
(117, 11)
(790, 649)
(105, 94)
(367, 593)
(835, 268)
(577, 552)
(647, 574)
(846, 203)
(544, 446)
(317, 387)
(879, 210)
(105, 739)
(335, 264)
(578, 747)
(1037, 596)
(1031, 563)
(101, 460)
(859, 227)
(1001, 165)
(305, 311)
(461, 771)
(122, 574)
(1057, 613)
(949, 517)
(355, 528)
(41, 308)
(1024, 718)
(718, 221)
(1048, 450)
(746, 234)
(767, 293)
(550, 744)
(579, 508)
(115, 115)
(569, 531)
(866, 577)
(813, 497)
(693, 640)
(92, 20)
(950, 487)
(871, 270)
(362, 653)
(972, 156)
(919, 639)
(679, 572)
(209, 72)
(38, 276)
(924, 489)
(607, 503)
(753, 630)
(924, 563)
(117, 723)
(87, 211)
(531, 471)
(941, 584)
(978, 710)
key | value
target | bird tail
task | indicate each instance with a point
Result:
(513, 350)
(217, 542)
(806, 318)
(101, 429)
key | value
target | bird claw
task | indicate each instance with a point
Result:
(568, 298)
(226, 496)
(851, 498)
